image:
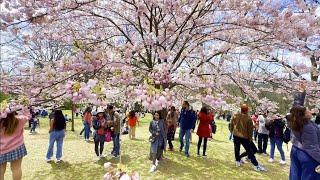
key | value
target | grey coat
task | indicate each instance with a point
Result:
(262, 125)
(161, 139)
(308, 140)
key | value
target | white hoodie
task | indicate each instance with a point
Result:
(262, 127)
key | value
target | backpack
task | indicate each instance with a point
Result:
(286, 135)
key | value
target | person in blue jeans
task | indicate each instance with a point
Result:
(305, 152)
(87, 121)
(115, 119)
(305, 139)
(276, 128)
(186, 121)
(57, 133)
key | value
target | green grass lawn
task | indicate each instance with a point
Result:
(79, 163)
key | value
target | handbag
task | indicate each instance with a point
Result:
(107, 136)
(214, 127)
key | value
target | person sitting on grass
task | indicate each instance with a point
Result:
(12, 148)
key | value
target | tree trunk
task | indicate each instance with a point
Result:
(72, 117)
(313, 59)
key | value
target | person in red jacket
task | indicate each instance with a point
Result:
(204, 131)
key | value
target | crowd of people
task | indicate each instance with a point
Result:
(300, 124)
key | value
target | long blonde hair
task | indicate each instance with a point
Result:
(9, 124)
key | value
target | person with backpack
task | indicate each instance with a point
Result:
(57, 134)
(242, 129)
(276, 127)
(99, 124)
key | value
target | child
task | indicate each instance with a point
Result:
(157, 139)
(132, 122)
(34, 123)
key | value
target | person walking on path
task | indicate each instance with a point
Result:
(242, 129)
(12, 148)
(56, 134)
(204, 132)
(157, 139)
(186, 120)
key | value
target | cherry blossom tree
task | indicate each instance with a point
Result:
(149, 50)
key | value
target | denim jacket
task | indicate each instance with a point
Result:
(308, 140)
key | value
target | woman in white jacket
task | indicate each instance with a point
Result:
(263, 134)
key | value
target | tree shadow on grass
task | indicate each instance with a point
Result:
(139, 140)
(125, 159)
(71, 171)
(219, 141)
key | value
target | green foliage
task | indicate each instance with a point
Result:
(138, 107)
(67, 104)
(3, 96)
(283, 104)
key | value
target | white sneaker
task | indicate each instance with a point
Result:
(238, 164)
(270, 160)
(259, 168)
(102, 156)
(153, 168)
(282, 162)
(48, 160)
(157, 162)
(97, 158)
(59, 160)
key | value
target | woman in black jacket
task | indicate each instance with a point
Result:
(276, 128)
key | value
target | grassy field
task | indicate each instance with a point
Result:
(79, 163)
